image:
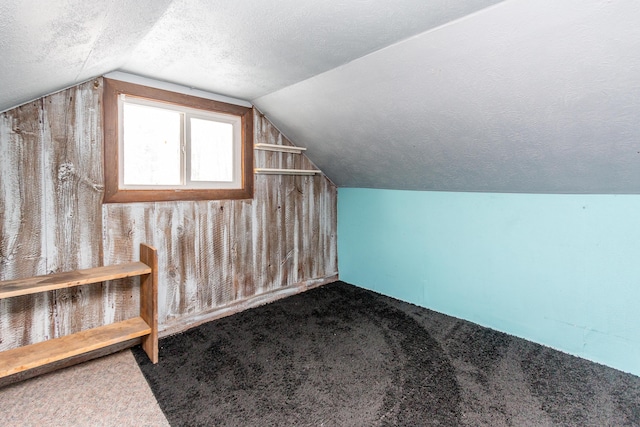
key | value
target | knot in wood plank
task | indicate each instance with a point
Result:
(65, 171)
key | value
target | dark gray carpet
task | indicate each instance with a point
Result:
(343, 356)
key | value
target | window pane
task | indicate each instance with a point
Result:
(151, 146)
(211, 151)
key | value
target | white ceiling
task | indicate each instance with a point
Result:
(484, 95)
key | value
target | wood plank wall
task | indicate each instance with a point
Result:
(215, 257)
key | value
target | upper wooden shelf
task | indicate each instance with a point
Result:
(34, 285)
(281, 148)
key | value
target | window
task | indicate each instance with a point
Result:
(162, 146)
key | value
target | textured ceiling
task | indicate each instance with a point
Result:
(47, 46)
(247, 49)
(243, 49)
(483, 95)
(525, 96)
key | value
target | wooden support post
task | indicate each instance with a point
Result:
(149, 300)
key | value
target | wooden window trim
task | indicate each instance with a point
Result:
(113, 194)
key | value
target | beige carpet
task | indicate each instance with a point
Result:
(109, 391)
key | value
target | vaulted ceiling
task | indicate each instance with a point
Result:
(507, 96)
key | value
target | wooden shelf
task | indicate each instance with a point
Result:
(144, 327)
(280, 148)
(34, 285)
(39, 354)
(268, 171)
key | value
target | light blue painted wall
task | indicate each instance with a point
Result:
(560, 270)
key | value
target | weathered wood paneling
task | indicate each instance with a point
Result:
(215, 257)
(52, 184)
(73, 190)
(22, 225)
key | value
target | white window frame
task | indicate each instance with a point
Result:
(186, 113)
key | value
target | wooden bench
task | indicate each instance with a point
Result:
(145, 326)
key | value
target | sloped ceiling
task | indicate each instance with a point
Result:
(484, 95)
(50, 45)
